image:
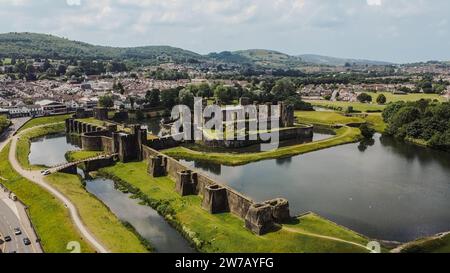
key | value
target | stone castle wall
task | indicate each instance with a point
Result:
(217, 198)
(238, 203)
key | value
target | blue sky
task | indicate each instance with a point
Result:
(390, 30)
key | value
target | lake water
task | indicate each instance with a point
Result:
(50, 150)
(385, 189)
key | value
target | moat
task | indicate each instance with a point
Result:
(50, 150)
(385, 189)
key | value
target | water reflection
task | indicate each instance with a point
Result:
(144, 219)
(391, 191)
(50, 150)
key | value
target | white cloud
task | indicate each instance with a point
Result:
(374, 2)
(73, 2)
(295, 26)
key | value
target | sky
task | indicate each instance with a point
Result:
(389, 30)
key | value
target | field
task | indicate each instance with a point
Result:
(409, 97)
(225, 232)
(48, 215)
(365, 107)
(342, 105)
(326, 118)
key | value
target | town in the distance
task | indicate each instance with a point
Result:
(89, 162)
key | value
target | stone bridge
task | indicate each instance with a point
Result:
(90, 164)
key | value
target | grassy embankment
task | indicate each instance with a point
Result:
(429, 245)
(96, 216)
(102, 223)
(73, 156)
(225, 232)
(49, 216)
(44, 120)
(343, 135)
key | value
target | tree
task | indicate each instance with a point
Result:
(30, 73)
(299, 104)
(152, 97)
(186, 97)
(132, 101)
(283, 89)
(169, 97)
(204, 90)
(224, 94)
(118, 87)
(381, 99)
(106, 101)
(364, 98)
(366, 131)
(139, 115)
(62, 69)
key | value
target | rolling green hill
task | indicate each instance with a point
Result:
(332, 61)
(32, 45)
(259, 57)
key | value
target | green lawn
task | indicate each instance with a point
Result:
(343, 136)
(94, 121)
(73, 156)
(409, 97)
(343, 105)
(326, 118)
(49, 216)
(428, 245)
(365, 107)
(44, 120)
(225, 232)
(376, 122)
(103, 224)
(102, 123)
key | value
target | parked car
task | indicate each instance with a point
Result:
(17, 231)
(8, 239)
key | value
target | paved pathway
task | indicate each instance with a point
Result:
(38, 178)
(325, 237)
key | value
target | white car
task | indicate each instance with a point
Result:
(46, 172)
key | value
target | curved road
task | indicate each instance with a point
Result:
(38, 178)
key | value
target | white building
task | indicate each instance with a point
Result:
(50, 107)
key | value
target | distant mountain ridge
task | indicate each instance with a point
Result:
(34, 45)
(333, 61)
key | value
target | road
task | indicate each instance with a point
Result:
(37, 178)
(13, 215)
(16, 124)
